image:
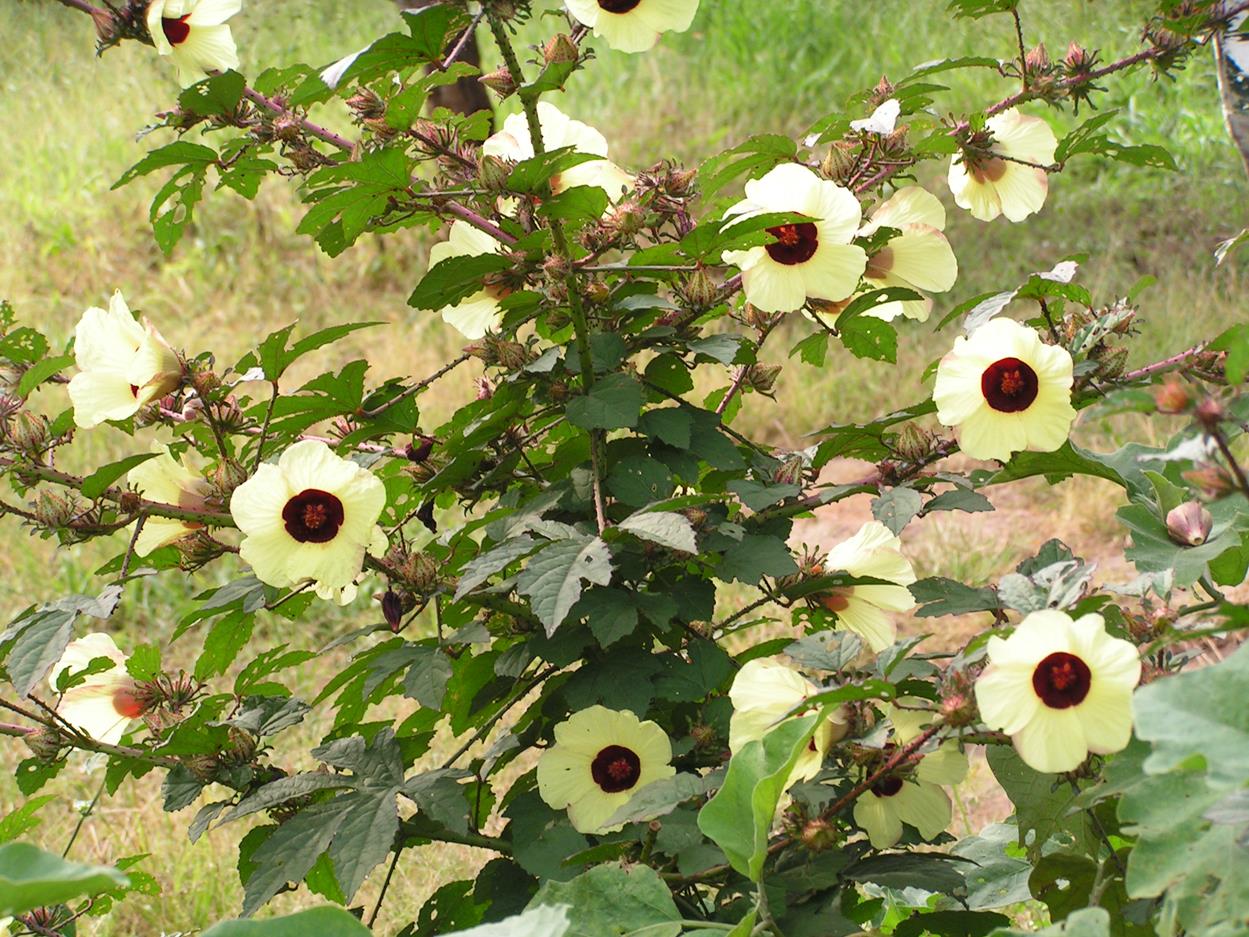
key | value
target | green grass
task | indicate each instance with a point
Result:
(67, 240)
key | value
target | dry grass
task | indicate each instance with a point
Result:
(66, 241)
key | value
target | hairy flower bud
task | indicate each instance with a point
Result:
(493, 173)
(913, 443)
(500, 81)
(1078, 59)
(560, 49)
(196, 550)
(227, 476)
(627, 219)
(699, 290)
(1189, 524)
(762, 377)
(55, 510)
(790, 471)
(366, 104)
(44, 743)
(819, 834)
(29, 433)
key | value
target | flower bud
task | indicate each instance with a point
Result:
(500, 81)
(392, 610)
(1037, 61)
(55, 510)
(699, 290)
(882, 92)
(197, 549)
(790, 471)
(627, 219)
(1172, 397)
(422, 572)
(560, 49)
(914, 444)
(493, 173)
(228, 414)
(287, 127)
(1213, 480)
(1189, 524)
(204, 767)
(227, 476)
(366, 104)
(44, 744)
(819, 834)
(29, 433)
(762, 377)
(1078, 59)
(1210, 413)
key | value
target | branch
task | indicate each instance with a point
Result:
(75, 738)
(1165, 364)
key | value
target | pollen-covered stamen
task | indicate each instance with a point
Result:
(795, 243)
(313, 516)
(176, 30)
(887, 787)
(1009, 385)
(618, 6)
(615, 769)
(1061, 680)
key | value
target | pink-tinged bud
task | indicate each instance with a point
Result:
(1037, 60)
(29, 433)
(392, 610)
(790, 471)
(500, 81)
(1189, 524)
(1210, 413)
(1213, 480)
(560, 49)
(819, 834)
(1172, 397)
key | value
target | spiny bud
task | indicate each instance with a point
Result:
(839, 162)
(366, 104)
(240, 749)
(699, 290)
(1189, 524)
(913, 443)
(512, 355)
(422, 572)
(493, 173)
(485, 388)
(55, 510)
(881, 93)
(227, 476)
(29, 432)
(44, 743)
(500, 81)
(1213, 480)
(1078, 59)
(790, 471)
(555, 267)
(1172, 397)
(560, 49)
(204, 767)
(627, 219)
(1037, 60)
(197, 549)
(819, 834)
(958, 701)
(762, 377)
(1112, 360)
(287, 127)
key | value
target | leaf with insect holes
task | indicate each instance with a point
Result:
(552, 579)
(664, 528)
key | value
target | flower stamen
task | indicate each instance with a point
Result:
(615, 769)
(1061, 680)
(1009, 385)
(313, 516)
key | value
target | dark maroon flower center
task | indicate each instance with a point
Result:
(1061, 680)
(176, 30)
(887, 787)
(795, 243)
(313, 516)
(618, 6)
(616, 769)
(1009, 385)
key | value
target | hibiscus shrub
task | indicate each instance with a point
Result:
(658, 718)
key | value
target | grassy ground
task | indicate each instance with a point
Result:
(66, 241)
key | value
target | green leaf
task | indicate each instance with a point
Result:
(99, 481)
(23, 818)
(614, 402)
(1044, 805)
(739, 818)
(659, 798)
(754, 557)
(578, 205)
(40, 371)
(31, 878)
(665, 528)
(752, 158)
(896, 507)
(611, 900)
(456, 278)
(553, 576)
(869, 337)
(940, 596)
(321, 922)
(218, 95)
(1087, 922)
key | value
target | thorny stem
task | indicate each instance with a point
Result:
(742, 373)
(76, 739)
(81, 5)
(461, 43)
(416, 388)
(316, 130)
(1023, 54)
(580, 324)
(1166, 364)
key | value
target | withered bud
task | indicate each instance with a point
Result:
(696, 516)
(958, 699)
(881, 93)
(106, 27)
(366, 104)
(493, 173)
(380, 129)
(1210, 413)
(425, 514)
(421, 572)
(702, 735)
(1172, 396)
(511, 355)
(419, 448)
(1189, 524)
(790, 471)
(680, 183)
(305, 158)
(758, 319)
(1213, 480)
(53, 509)
(500, 81)
(555, 267)
(559, 49)
(699, 290)
(192, 409)
(287, 127)
(392, 610)
(485, 389)
(29, 433)
(762, 377)
(627, 219)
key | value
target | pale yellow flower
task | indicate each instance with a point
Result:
(479, 313)
(104, 703)
(168, 481)
(194, 34)
(1003, 186)
(1006, 391)
(600, 759)
(633, 25)
(764, 692)
(808, 260)
(872, 553)
(559, 130)
(919, 799)
(122, 365)
(919, 258)
(1060, 689)
(312, 516)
